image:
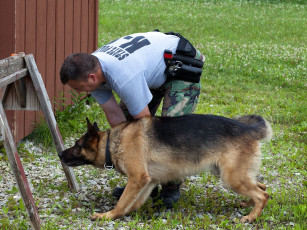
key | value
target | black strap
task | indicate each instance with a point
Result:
(184, 46)
(108, 164)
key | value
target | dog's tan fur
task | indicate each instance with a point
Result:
(148, 162)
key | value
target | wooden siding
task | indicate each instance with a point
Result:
(50, 30)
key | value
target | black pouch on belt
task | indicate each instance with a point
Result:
(183, 65)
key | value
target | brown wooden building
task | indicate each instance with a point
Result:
(50, 30)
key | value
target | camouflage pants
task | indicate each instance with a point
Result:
(179, 98)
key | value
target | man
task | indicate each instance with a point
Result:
(141, 69)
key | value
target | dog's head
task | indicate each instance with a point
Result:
(85, 149)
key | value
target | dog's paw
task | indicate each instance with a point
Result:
(98, 216)
(104, 216)
(247, 219)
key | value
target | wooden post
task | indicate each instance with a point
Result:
(47, 109)
(18, 171)
(13, 71)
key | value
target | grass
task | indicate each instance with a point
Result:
(256, 64)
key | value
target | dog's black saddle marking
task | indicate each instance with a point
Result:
(190, 132)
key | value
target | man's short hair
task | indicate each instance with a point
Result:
(78, 66)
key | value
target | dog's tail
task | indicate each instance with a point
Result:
(262, 128)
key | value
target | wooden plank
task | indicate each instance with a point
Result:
(76, 39)
(2, 92)
(20, 25)
(92, 26)
(69, 39)
(69, 14)
(18, 171)
(10, 68)
(96, 25)
(11, 64)
(41, 36)
(7, 28)
(76, 26)
(60, 52)
(49, 116)
(30, 36)
(41, 44)
(17, 118)
(30, 32)
(7, 89)
(32, 101)
(21, 92)
(51, 47)
(84, 26)
(13, 77)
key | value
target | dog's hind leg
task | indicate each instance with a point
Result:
(246, 187)
(240, 178)
(260, 199)
(143, 196)
(251, 202)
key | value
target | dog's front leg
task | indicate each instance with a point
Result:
(135, 194)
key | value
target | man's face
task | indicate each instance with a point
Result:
(83, 86)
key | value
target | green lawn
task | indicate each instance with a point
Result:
(255, 64)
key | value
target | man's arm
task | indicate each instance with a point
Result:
(113, 112)
(145, 112)
(116, 116)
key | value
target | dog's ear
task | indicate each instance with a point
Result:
(91, 129)
(88, 122)
(96, 126)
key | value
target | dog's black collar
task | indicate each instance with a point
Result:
(108, 164)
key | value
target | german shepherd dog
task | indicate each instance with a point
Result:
(155, 150)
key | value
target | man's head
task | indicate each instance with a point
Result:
(80, 71)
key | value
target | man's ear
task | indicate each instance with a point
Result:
(92, 77)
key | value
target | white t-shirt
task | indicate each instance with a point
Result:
(132, 65)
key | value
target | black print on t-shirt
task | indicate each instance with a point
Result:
(125, 49)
